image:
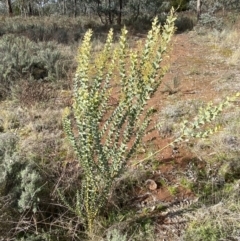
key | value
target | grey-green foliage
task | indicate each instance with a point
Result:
(21, 58)
(36, 237)
(146, 9)
(208, 18)
(210, 8)
(29, 189)
(216, 5)
(8, 155)
(115, 235)
(103, 144)
(200, 126)
(222, 4)
(18, 178)
(21, 192)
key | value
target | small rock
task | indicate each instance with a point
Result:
(151, 184)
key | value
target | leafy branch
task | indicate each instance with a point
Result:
(198, 127)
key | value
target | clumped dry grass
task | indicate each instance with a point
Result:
(174, 113)
(219, 221)
(226, 45)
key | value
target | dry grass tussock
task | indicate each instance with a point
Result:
(227, 44)
(219, 221)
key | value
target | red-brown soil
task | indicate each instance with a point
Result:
(191, 63)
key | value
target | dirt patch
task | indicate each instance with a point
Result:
(194, 72)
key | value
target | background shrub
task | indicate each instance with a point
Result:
(21, 58)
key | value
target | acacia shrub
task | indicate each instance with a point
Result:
(106, 139)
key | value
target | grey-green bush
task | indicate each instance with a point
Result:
(21, 58)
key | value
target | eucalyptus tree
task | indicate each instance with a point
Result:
(109, 10)
(207, 11)
(9, 7)
(24, 7)
(214, 5)
(199, 3)
(147, 9)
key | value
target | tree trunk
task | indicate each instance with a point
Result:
(9, 7)
(64, 10)
(198, 9)
(120, 13)
(75, 8)
(110, 12)
(30, 10)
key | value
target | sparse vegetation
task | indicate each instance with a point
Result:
(180, 183)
